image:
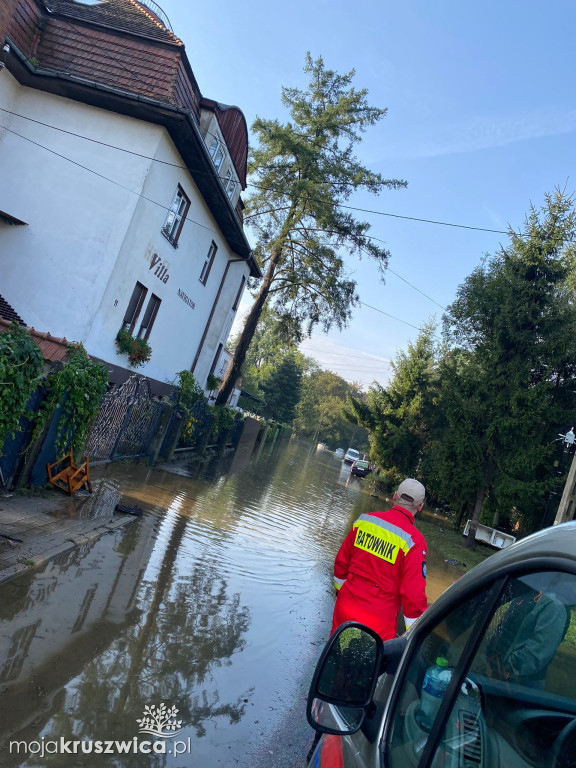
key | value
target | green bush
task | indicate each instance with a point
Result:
(21, 366)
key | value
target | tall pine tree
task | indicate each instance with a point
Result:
(304, 171)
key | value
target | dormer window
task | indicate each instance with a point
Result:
(214, 146)
(227, 179)
(219, 159)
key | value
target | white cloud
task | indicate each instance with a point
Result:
(349, 363)
(484, 133)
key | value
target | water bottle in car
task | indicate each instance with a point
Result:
(434, 686)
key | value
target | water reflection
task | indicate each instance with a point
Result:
(215, 602)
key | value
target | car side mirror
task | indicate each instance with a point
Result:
(345, 679)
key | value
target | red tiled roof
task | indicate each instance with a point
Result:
(123, 15)
(129, 64)
(53, 348)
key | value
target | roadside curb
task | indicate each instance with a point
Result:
(39, 527)
(30, 557)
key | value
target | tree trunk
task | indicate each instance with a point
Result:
(233, 372)
(471, 540)
(461, 512)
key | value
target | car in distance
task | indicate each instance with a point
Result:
(339, 453)
(351, 455)
(360, 468)
(486, 678)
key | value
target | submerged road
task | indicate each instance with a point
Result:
(196, 627)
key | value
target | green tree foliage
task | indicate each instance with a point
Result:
(320, 414)
(305, 170)
(20, 371)
(269, 345)
(510, 384)
(398, 415)
(78, 388)
(281, 385)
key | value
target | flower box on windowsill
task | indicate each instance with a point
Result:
(137, 349)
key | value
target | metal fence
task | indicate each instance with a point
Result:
(126, 422)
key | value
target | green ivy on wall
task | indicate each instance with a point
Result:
(79, 387)
(21, 366)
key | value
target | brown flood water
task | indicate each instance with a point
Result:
(216, 602)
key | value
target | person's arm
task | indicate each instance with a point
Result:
(539, 636)
(342, 562)
(413, 584)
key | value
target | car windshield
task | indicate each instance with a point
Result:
(352, 452)
(361, 464)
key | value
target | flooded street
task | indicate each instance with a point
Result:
(216, 602)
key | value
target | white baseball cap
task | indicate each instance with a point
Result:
(411, 491)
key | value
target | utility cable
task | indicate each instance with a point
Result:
(252, 184)
(162, 162)
(154, 202)
(101, 176)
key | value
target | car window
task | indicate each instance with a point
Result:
(517, 704)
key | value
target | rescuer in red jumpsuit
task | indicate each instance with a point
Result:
(381, 566)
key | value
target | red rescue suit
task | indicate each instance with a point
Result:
(381, 566)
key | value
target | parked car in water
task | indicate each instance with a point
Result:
(351, 455)
(486, 678)
(360, 468)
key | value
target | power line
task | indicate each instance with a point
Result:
(251, 184)
(101, 176)
(389, 315)
(160, 205)
(343, 354)
(157, 160)
(154, 202)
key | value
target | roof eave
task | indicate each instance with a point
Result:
(179, 123)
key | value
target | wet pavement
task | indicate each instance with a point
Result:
(216, 602)
(34, 529)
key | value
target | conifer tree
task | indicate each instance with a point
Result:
(305, 171)
(508, 382)
(281, 386)
(398, 415)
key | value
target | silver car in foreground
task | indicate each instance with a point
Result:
(486, 678)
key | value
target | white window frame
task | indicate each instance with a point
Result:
(149, 316)
(210, 256)
(176, 216)
(214, 146)
(219, 159)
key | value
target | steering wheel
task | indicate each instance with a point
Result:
(564, 751)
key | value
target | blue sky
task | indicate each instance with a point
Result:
(481, 122)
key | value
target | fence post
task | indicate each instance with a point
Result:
(203, 442)
(157, 441)
(172, 436)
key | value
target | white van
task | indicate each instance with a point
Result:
(486, 678)
(351, 455)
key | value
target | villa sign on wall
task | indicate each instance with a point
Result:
(160, 269)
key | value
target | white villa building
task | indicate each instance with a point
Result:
(119, 187)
